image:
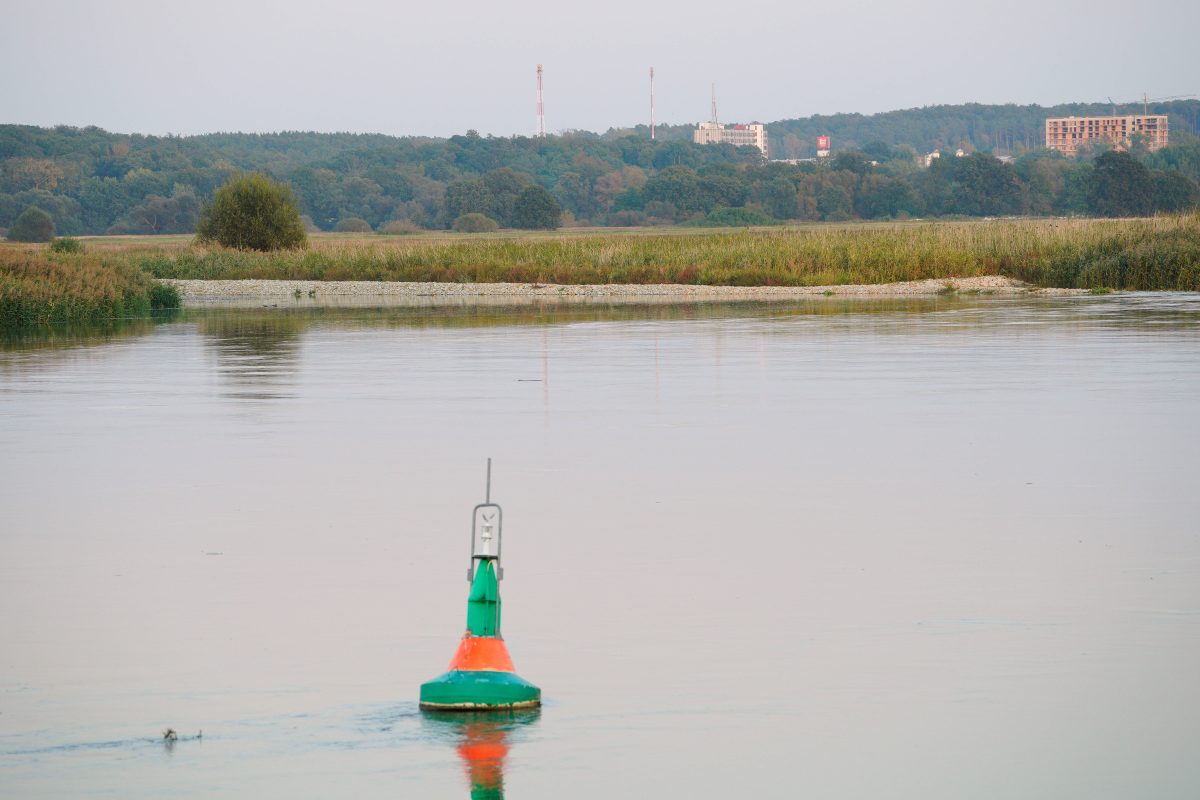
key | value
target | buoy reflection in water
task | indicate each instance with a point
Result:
(483, 740)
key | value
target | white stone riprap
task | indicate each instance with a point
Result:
(200, 292)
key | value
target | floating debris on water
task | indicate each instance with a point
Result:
(170, 737)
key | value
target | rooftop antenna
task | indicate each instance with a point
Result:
(652, 104)
(714, 104)
(541, 108)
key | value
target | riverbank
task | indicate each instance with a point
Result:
(206, 292)
(1160, 253)
(891, 259)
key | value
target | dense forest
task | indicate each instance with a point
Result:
(94, 182)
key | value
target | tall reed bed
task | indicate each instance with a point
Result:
(39, 288)
(1158, 253)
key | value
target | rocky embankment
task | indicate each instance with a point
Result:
(200, 292)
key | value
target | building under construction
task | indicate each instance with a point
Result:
(1068, 134)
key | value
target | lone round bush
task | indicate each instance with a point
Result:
(536, 209)
(34, 225)
(66, 245)
(353, 225)
(399, 227)
(475, 223)
(253, 212)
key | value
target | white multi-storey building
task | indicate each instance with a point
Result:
(754, 134)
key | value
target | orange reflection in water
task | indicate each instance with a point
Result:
(483, 744)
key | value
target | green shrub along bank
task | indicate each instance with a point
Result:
(66, 245)
(1161, 253)
(40, 288)
(252, 211)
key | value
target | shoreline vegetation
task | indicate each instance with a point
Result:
(125, 277)
(41, 287)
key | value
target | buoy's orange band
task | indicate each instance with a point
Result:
(486, 653)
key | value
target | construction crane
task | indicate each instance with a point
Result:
(1146, 100)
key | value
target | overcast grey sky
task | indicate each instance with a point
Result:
(441, 68)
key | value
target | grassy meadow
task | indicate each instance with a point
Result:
(113, 274)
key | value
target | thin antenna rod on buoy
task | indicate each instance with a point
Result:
(488, 493)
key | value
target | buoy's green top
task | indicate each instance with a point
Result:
(483, 603)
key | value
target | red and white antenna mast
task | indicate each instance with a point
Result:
(541, 108)
(652, 104)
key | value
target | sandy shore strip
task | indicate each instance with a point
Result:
(201, 292)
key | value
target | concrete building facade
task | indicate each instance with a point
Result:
(1068, 134)
(738, 135)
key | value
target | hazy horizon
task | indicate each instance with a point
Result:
(377, 68)
(565, 131)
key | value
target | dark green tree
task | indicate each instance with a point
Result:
(853, 161)
(781, 199)
(1120, 186)
(678, 186)
(1174, 192)
(104, 200)
(877, 150)
(34, 225)
(1183, 158)
(466, 197)
(727, 190)
(319, 195)
(879, 196)
(984, 185)
(834, 202)
(177, 214)
(536, 209)
(504, 186)
(253, 212)
(630, 199)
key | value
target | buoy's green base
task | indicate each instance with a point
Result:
(460, 690)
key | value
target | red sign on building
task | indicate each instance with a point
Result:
(822, 142)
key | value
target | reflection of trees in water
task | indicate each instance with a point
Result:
(487, 312)
(54, 343)
(482, 740)
(257, 353)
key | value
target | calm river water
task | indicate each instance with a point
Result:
(927, 549)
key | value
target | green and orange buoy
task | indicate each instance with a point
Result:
(481, 675)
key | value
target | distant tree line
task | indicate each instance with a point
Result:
(91, 181)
